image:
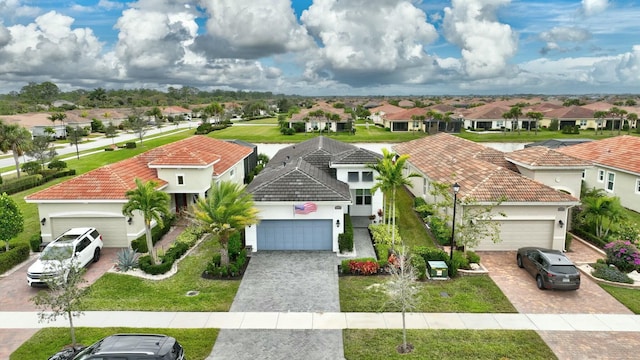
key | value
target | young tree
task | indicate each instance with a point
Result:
(42, 149)
(403, 291)
(75, 135)
(152, 203)
(228, 209)
(11, 219)
(599, 115)
(633, 119)
(535, 117)
(64, 296)
(136, 123)
(16, 139)
(110, 132)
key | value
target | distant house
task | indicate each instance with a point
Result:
(536, 187)
(323, 117)
(174, 111)
(379, 113)
(184, 169)
(616, 167)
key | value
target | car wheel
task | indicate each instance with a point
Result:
(519, 261)
(96, 255)
(539, 282)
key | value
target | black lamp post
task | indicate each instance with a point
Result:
(456, 188)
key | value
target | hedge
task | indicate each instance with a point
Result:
(30, 181)
(345, 240)
(17, 254)
(157, 232)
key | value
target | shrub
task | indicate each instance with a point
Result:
(440, 230)
(425, 211)
(157, 232)
(609, 273)
(430, 254)
(57, 165)
(145, 265)
(418, 201)
(235, 245)
(473, 257)
(127, 260)
(623, 254)
(287, 131)
(20, 184)
(366, 267)
(130, 145)
(420, 266)
(35, 241)
(567, 241)
(31, 167)
(380, 235)
(233, 269)
(17, 254)
(345, 240)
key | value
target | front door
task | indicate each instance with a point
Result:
(181, 203)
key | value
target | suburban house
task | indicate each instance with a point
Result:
(535, 187)
(174, 111)
(184, 169)
(304, 192)
(616, 167)
(379, 113)
(323, 117)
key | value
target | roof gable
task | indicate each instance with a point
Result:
(540, 156)
(619, 152)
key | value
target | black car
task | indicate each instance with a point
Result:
(551, 268)
(127, 347)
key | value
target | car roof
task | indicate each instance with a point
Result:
(555, 257)
(78, 231)
(152, 344)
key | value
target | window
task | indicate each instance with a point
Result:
(367, 176)
(354, 176)
(416, 124)
(638, 185)
(180, 179)
(584, 173)
(363, 197)
(232, 172)
(500, 123)
(611, 177)
(600, 175)
(583, 123)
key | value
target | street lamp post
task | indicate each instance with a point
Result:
(456, 188)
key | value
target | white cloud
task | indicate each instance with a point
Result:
(486, 43)
(563, 34)
(251, 29)
(361, 39)
(110, 5)
(594, 7)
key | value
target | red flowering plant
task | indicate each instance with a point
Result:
(623, 254)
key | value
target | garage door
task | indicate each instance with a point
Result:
(518, 233)
(295, 235)
(113, 230)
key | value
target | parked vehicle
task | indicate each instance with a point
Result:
(127, 347)
(551, 268)
(77, 247)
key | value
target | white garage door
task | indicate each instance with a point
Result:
(295, 235)
(519, 233)
(113, 230)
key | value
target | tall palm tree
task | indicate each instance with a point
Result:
(16, 139)
(633, 119)
(534, 116)
(228, 209)
(391, 177)
(599, 115)
(152, 203)
(387, 158)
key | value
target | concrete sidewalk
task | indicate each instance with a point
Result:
(333, 320)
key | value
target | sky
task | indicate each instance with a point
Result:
(325, 47)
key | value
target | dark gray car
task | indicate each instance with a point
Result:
(551, 268)
(127, 347)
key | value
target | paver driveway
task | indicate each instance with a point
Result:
(284, 281)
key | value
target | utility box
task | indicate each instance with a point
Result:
(438, 269)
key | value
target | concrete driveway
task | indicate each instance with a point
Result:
(284, 281)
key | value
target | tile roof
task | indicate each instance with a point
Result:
(619, 152)
(111, 182)
(407, 114)
(325, 107)
(356, 156)
(447, 158)
(544, 157)
(488, 111)
(297, 180)
(317, 151)
(387, 109)
(571, 112)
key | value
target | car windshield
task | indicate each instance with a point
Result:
(57, 252)
(564, 269)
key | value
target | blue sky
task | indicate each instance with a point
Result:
(325, 47)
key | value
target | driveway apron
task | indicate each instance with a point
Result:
(283, 281)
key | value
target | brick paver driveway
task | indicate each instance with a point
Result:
(521, 289)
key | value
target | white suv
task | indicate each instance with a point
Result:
(78, 247)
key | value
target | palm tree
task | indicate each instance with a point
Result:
(387, 158)
(534, 116)
(632, 118)
(16, 139)
(602, 212)
(391, 177)
(152, 203)
(599, 115)
(228, 209)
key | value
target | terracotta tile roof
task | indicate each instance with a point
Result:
(444, 108)
(489, 111)
(110, 182)
(325, 107)
(407, 114)
(540, 156)
(571, 112)
(387, 109)
(542, 107)
(620, 152)
(447, 158)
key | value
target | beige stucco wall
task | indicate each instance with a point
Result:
(625, 186)
(196, 180)
(567, 180)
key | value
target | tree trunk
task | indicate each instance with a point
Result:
(404, 331)
(224, 255)
(393, 226)
(72, 329)
(16, 159)
(152, 250)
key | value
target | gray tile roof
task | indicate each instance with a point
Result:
(356, 156)
(297, 180)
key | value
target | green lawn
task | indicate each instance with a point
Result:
(446, 344)
(124, 292)
(411, 228)
(531, 136)
(472, 294)
(628, 297)
(271, 134)
(197, 343)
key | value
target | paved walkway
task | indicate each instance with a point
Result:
(334, 321)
